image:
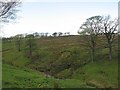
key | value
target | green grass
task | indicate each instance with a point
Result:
(15, 77)
(55, 53)
(92, 75)
(101, 74)
(15, 58)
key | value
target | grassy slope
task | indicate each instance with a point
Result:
(98, 74)
(91, 75)
(15, 77)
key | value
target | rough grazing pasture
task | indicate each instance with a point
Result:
(58, 62)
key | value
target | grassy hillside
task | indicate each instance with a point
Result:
(14, 77)
(67, 59)
(19, 77)
(99, 74)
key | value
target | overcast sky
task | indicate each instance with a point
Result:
(53, 16)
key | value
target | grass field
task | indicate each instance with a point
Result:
(58, 62)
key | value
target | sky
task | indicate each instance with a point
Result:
(57, 16)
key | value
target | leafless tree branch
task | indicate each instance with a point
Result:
(8, 9)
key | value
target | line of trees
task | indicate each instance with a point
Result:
(26, 42)
(60, 34)
(29, 43)
(95, 26)
(55, 34)
(38, 35)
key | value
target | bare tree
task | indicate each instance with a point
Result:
(42, 34)
(91, 29)
(36, 34)
(18, 40)
(60, 33)
(30, 44)
(110, 28)
(46, 34)
(54, 34)
(67, 33)
(8, 9)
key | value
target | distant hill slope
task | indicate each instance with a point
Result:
(65, 57)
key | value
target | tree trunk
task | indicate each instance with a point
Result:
(110, 52)
(30, 48)
(30, 51)
(93, 54)
(19, 47)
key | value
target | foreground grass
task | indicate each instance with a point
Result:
(14, 77)
(92, 75)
